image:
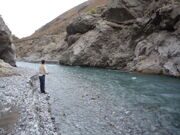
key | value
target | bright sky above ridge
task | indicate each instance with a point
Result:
(23, 17)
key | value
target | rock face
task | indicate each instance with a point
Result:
(158, 53)
(147, 41)
(101, 47)
(7, 49)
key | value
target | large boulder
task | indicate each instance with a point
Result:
(7, 49)
(6, 69)
(123, 10)
(100, 47)
(118, 15)
(81, 25)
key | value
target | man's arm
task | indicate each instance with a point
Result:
(45, 69)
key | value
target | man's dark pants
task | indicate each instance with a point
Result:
(42, 83)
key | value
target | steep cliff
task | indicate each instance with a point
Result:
(7, 49)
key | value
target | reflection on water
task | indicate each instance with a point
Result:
(90, 101)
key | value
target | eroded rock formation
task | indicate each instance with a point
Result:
(7, 49)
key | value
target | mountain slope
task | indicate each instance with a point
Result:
(46, 41)
(59, 24)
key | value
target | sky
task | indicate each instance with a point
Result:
(23, 17)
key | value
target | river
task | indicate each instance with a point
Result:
(91, 101)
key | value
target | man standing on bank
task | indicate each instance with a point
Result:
(42, 73)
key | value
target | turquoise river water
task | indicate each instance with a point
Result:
(91, 101)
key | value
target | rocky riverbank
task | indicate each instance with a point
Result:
(23, 110)
(39, 61)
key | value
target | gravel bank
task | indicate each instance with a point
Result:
(23, 110)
